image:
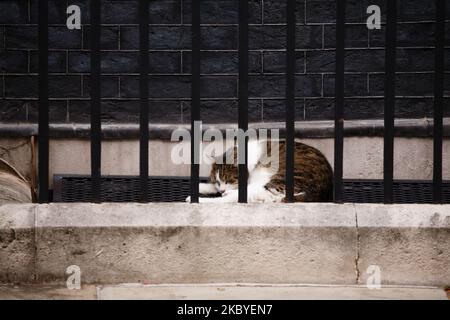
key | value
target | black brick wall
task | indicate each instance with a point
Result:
(170, 58)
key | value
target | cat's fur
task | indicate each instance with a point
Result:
(313, 176)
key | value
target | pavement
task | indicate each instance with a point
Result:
(220, 292)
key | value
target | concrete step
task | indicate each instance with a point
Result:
(231, 243)
(222, 292)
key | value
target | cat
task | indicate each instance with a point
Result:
(313, 176)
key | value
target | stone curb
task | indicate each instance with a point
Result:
(253, 243)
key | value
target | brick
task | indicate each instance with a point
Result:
(26, 86)
(2, 37)
(368, 108)
(216, 62)
(406, 84)
(275, 11)
(355, 85)
(415, 60)
(355, 109)
(275, 62)
(13, 12)
(267, 37)
(222, 111)
(165, 12)
(269, 86)
(125, 12)
(13, 110)
(415, 108)
(319, 109)
(111, 62)
(64, 86)
(218, 38)
(275, 110)
(14, 61)
(120, 111)
(56, 12)
(79, 111)
(222, 12)
(180, 87)
(308, 85)
(21, 86)
(416, 10)
(27, 111)
(308, 37)
(56, 62)
(159, 38)
(165, 111)
(409, 35)
(274, 37)
(356, 36)
(63, 38)
(120, 12)
(25, 37)
(57, 111)
(324, 11)
(109, 38)
(177, 38)
(126, 62)
(320, 61)
(112, 11)
(364, 60)
(164, 62)
(273, 86)
(109, 86)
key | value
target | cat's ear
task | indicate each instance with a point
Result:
(229, 157)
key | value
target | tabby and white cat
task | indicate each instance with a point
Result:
(313, 176)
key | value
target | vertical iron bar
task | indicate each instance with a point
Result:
(95, 100)
(195, 99)
(144, 91)
(243, 95)
(43, 103)
(438, 100)
(339, 101)
(389, 103)
(290, 99)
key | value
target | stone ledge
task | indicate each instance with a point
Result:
(251, 243)
(304, 129)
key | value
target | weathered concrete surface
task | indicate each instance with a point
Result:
(266, 292)
(46, 292)
(17, 251)
(410, 243)
(217, 292)
(255, 243)
(182, 243)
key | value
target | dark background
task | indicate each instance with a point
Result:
(170, 61)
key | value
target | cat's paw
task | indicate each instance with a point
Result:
(188, 199)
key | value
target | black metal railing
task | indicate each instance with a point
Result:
(243, 95)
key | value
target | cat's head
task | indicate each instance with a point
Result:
(224, 171)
